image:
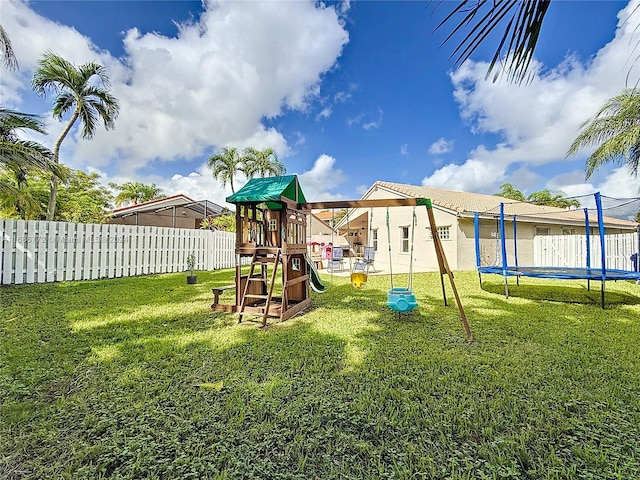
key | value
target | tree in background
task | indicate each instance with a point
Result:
(76, 93)
(226, 223)
(261, 163)
(225, 166)
(132, 193)
(545, 197)
(541, 197)
(507, 190)
(81, 198)
(614, 133)
(20, 157)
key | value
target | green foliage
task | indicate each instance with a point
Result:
(542, 197)
(102, 379)
(614, 133)
(81, 198)
(261, 163)
(191, 263)
(522, 22)
(132, 193)
(82, 91)
(252, 162)
(225, 166)
(226, 223)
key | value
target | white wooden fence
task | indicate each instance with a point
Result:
(571, 251)
(39, 251)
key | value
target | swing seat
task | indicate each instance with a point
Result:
(401, 300)
(358, 279)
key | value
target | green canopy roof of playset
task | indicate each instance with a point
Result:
(270, 190)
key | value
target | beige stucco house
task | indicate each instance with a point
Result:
(454, 214)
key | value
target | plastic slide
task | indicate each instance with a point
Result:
(314, 276)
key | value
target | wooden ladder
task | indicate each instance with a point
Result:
(261, 257)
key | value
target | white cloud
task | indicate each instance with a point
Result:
(374, 123)
(318, 183)
(537, 121)
(404, 149)
(325, 113)
(441, 146)
(210, 86)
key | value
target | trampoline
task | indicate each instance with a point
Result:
(601, 273)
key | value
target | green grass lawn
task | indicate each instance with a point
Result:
(99, 379)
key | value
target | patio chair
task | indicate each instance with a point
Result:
(337, 259)
(369, 258)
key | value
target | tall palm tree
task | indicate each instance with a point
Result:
(261, 163)
(76, 94)
(482, 17)
(614, 132)
(225, 166)
(132, 193)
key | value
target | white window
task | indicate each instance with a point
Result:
(543, 231)
(568, 231)
(405, 239)
(374, 239)
(295, 264)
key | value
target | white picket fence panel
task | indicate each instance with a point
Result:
(571, 251)
(39, 252)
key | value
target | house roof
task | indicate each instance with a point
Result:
(203, 207)
(271, 190)
(467, 203)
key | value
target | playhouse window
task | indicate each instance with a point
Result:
(273, 225)
(295, 264)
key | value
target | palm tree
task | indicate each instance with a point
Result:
(18, 157)
(545, 197)
(261, 163)
(132, 193)
(541, 197)
(482, 17)
(507, 190)
(76, 93)
(6, 51)
(226, 165)
(614, 132)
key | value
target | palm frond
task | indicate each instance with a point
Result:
(517, 44)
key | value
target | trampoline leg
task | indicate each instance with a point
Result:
(480, 279)
(506, 288)
(602, 295)
(588, 284)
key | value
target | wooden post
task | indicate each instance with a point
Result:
(442, 261)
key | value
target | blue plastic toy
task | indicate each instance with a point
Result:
(401, 300)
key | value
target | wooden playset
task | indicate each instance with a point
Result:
(274, 272)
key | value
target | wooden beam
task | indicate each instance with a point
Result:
(383, 202)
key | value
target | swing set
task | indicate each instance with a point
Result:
(271, 223)
(400, 299)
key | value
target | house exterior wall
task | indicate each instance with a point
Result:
(424, 254)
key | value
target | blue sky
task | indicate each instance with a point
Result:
(347, 93)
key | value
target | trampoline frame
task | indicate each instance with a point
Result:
(601, 274)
